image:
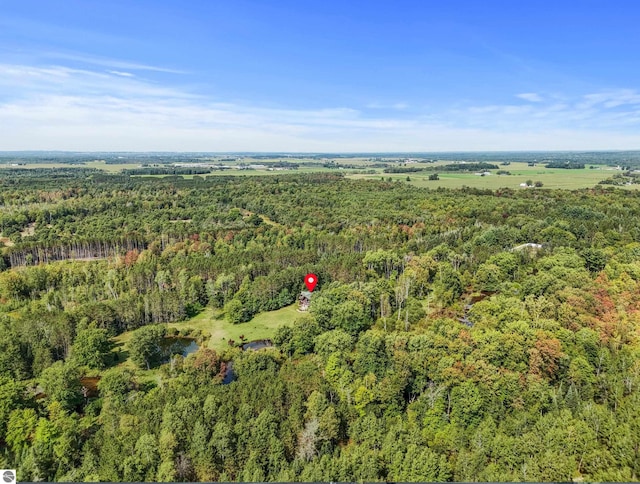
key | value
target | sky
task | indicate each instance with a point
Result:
(319, 76)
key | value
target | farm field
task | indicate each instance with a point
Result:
(354, 168)
(520, 173)
(99, 165)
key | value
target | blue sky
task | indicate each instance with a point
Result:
(319, 76)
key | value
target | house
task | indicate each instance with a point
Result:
(304, 300)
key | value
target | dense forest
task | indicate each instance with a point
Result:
(467, 335)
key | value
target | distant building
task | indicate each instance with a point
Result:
(304, 300)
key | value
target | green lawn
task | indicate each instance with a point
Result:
(262, 326)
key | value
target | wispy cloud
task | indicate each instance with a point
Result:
(27, 80)
(531, 97)
(399, 106)
(607, 110)
(106, 62)
(121, 73)
(58, 107)
(611, 99)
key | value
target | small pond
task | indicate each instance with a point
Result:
(229, 375)
(177, 346)
(257, 344)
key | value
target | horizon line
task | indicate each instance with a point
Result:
(7, 152)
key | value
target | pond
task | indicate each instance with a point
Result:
(177, 346)
(229, 375)
(257, 344)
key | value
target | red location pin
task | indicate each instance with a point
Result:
(311, 280)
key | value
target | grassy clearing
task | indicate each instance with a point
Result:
(263, 326)
(213, 325)
(218, 331)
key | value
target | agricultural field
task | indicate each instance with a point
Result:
(368, 169)
(520, 173)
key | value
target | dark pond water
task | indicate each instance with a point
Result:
(257, 344)
(177, 346)
(229, 376)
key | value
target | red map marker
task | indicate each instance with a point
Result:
(311, 280)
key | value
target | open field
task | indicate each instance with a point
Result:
(109, 168)
(520, 173)
(236, 172)
(353, 167)
(100, 165)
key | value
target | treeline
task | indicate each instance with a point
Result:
(78, 250)
(281, 164)
(168, 171)
(481, 166)
(619, 179)
(10, 176)
(403, 169)
(567, 165)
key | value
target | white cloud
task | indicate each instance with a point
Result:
(29, 80)
(56, 107)
(107, 62)
(611, 99)
(397, 106)
(121, 73)
(531, 97)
